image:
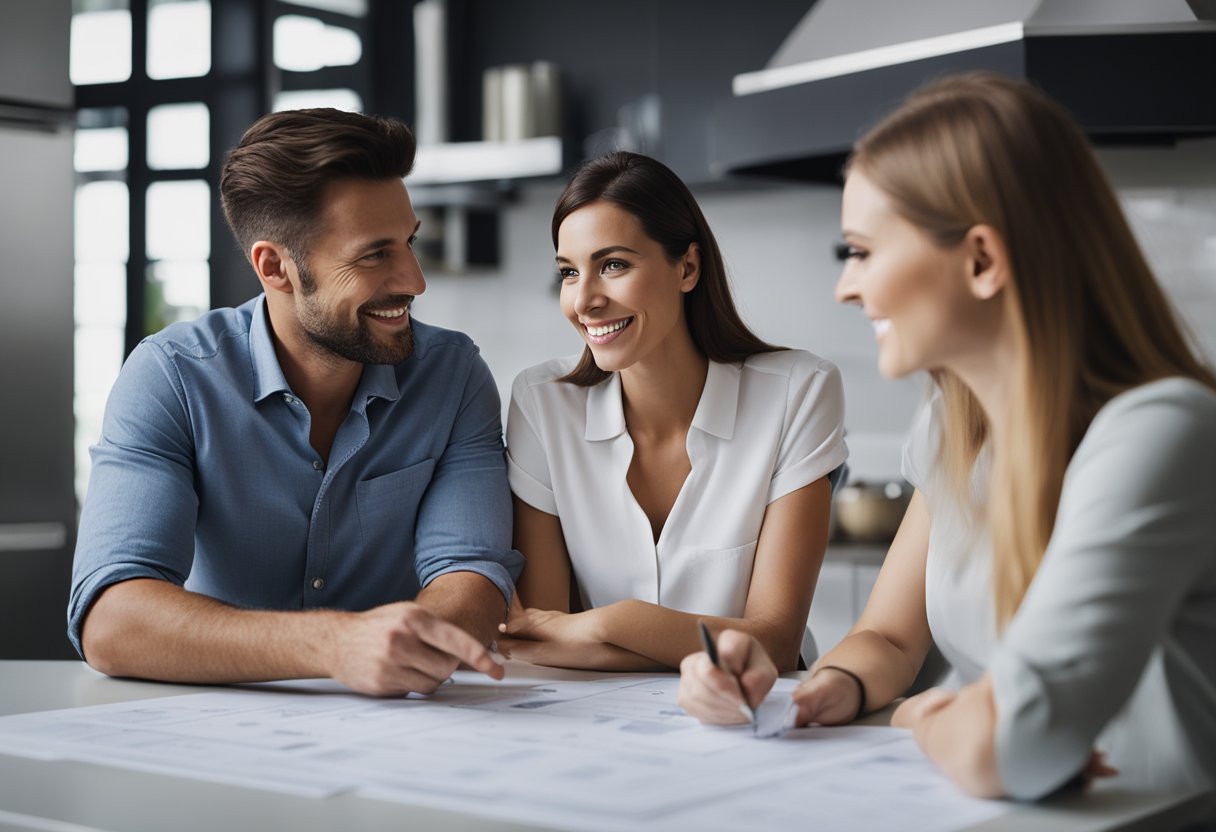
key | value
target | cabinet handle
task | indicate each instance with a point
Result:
(26, 536)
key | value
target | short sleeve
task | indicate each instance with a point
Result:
(527, 460)
(812, 443)
(920, 446)
(1134, 533)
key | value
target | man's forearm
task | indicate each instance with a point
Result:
(469, 600)
(152, 629)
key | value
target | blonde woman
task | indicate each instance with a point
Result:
(1061, 544)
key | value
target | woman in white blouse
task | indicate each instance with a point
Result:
(1061, 544)
(681, 467)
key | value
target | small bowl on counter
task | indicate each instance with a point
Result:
(869, 512)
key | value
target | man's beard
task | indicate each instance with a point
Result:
(355, 343)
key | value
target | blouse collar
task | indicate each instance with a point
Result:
(715, 412)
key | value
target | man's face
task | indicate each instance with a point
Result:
(360, 275)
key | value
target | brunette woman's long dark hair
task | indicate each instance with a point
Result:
(670, 216)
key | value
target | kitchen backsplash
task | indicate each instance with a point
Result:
(778, 248)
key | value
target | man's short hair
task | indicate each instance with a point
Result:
(272, 181)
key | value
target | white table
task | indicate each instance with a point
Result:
(62, 796)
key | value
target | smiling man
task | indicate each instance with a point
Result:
(311, 484)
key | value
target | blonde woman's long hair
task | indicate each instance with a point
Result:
(1089, 318)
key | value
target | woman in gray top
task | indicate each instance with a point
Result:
(1061, 544)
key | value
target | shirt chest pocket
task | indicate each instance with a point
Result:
(388, 507)
(710, 581)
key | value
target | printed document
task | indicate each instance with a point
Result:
(601, 753)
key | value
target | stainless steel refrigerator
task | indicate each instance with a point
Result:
(37, 503)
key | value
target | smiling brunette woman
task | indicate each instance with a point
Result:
(1060, 547)
(681, 468)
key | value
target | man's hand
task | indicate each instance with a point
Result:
(402, 648)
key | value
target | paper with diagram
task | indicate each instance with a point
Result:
(593, 754)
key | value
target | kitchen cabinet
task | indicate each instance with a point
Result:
(635, 74)
(643, 72)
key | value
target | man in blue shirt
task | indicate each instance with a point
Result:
(311, 484)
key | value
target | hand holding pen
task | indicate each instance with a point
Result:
(724, 684)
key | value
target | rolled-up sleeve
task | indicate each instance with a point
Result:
(1133, 532)
(139, 517)
(464, 521)
(812, 442)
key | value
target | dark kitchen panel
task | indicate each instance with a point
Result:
(33, 603)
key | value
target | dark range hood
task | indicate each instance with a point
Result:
(1130, 71)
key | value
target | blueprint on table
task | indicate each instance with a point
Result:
(593, 754)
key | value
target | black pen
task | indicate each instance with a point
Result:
(707, 641)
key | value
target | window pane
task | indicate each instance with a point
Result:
(104, 148)
(341, 99)
(100, 50)
(179, 220)
(101, 139)
(101, 294)
(179, 136)
(102, 225)
(304, 44)
(176, 290)
(343, 47)
(179, 38)
(98, 357)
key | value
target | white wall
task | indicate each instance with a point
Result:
(777, 244)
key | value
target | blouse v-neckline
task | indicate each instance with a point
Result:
(715, 415)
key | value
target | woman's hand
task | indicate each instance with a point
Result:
(912, 710)
(597, 656)
(827, 697)
(713, 694)
(551, 638)
(561, 639)
(581, 628)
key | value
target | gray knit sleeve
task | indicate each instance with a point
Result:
(1135, 530)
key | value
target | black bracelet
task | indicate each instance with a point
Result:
(861, 688)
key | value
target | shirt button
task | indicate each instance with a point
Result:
(318, 583)
(290, 399)
(317, 465)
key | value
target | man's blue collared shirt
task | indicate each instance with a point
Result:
(204, 475)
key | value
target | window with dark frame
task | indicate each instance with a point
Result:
(163, 89)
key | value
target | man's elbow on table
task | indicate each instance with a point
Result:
(98, 638)
(108, 636)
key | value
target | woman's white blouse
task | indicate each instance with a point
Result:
(762, 429)
(1114, 645)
